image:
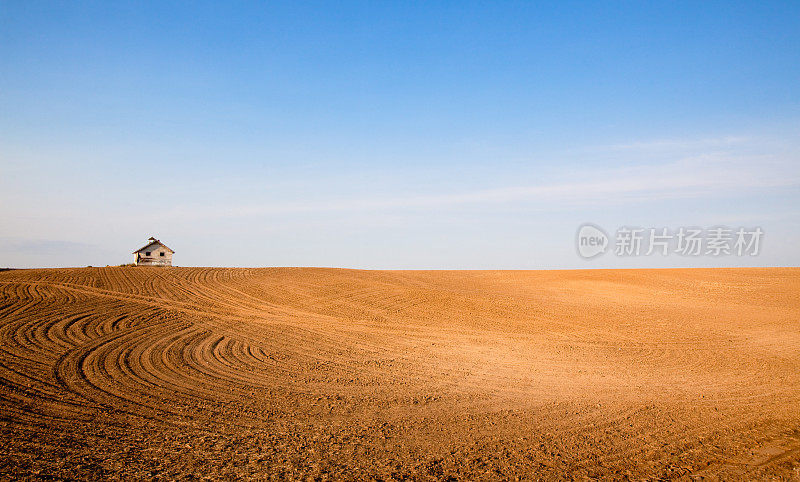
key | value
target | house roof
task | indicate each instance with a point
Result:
(151, 243)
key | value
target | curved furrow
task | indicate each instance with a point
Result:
(84, 372)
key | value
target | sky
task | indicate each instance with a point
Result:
(395, 135)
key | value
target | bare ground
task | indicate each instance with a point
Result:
(287, 373)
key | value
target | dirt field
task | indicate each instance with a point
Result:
(273, 373)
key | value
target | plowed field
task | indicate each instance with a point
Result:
(287, 373)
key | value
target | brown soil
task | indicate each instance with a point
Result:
(289, 373)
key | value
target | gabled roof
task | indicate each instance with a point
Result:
(151, 243)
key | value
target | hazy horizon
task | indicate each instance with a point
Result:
(394, 136)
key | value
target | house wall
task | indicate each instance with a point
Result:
(154, 259)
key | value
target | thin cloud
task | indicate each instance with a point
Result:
(701, 176)
(681, 144)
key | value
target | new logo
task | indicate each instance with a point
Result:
(591, 241)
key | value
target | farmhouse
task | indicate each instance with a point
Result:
(154, 253)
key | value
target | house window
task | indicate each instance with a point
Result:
(147, 253)
(161, 253)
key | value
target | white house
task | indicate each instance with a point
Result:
(154, 253)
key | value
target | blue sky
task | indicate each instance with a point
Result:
(394, 135)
